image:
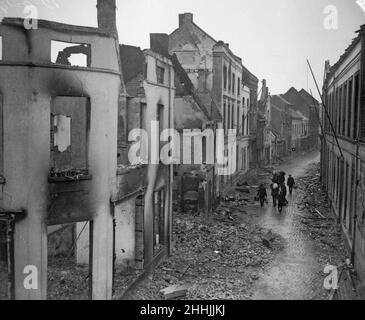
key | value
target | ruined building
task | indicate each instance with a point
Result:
(78, 211)
(59, 89)
(214, 70)
(281, 124)
(143, 203)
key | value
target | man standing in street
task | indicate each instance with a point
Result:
(262, 195)
(290, 184)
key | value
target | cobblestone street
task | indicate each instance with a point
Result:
(228, 259)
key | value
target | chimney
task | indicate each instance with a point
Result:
(185, 18)
(107, 15)
(159, 42)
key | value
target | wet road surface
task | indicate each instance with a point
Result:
(293, 275)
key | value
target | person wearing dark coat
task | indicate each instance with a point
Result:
(262, 194)
(282, 197)
(281, 178)
(290, 184)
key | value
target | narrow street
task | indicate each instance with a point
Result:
(227, 257)
(294, 272)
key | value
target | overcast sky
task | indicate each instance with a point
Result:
(273, 37)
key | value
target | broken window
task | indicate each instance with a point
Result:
(69, 132)
(71, 54)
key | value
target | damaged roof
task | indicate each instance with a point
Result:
(348, 50)
(132, 59)
(184, 87)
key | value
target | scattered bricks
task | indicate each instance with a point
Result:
(268, 239)
(243, 189)
(175, 291)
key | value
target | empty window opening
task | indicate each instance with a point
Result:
(69, 268)
(62, 132)
(160, 72)
(71, 54)
(69, 137)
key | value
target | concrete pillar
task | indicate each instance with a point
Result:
(30, 244)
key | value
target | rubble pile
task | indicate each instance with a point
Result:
(67, 281)
(123, 278)
(216, 258)
(319, 223)
(317, 220)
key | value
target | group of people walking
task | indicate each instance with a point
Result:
(278, 190)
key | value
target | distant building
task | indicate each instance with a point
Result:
(264, 134)
(304, 103)
(281, 123)
(299, 132)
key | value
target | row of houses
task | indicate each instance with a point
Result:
(288, 124)
(98, 140)
(343, 148)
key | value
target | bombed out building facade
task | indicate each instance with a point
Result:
(73, 203)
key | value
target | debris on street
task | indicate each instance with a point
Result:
(216, 258)
(67, 280)
(176, 291)
(321, 226)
